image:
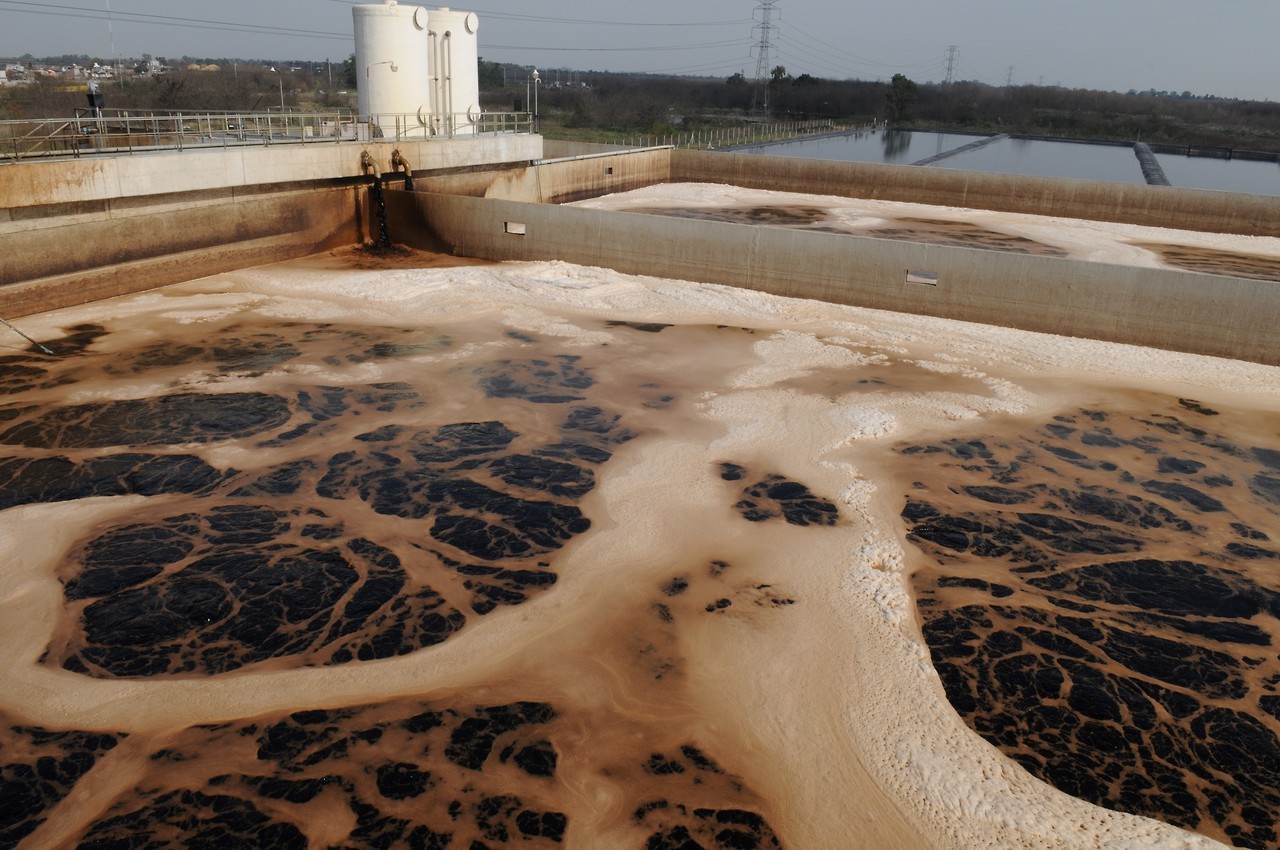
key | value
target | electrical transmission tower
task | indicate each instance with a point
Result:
(1008, 80)
(763, 48)
(951, 64)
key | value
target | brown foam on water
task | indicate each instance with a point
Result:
(1210, 261)
(962, 234)
(1101, 595)
(591, 738)
(725, 655)
(783, 215)
(295, 530)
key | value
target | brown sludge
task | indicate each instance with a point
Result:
(479, 555)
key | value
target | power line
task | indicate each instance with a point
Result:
(842, 65)
(846, 55)
(168, 20)
(652, 49)
(545, 19)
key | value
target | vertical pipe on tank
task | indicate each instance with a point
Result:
(451, 120)
(457, 51)
(437, 94)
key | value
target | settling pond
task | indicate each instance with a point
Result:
(1032, 157)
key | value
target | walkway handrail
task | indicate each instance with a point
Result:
(118, 131)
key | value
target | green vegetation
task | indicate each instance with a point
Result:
(614, 106)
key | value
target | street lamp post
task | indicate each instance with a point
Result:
(531, 83)
(280, 79)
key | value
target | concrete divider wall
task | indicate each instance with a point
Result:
(73, 231)
(101, 256)
(1155, 206)
(1183, 311)
(98, 178)
(562, 180)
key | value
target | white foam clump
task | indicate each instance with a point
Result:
(790, 353)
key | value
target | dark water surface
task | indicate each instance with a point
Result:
(1032, 157)
(1101, 596)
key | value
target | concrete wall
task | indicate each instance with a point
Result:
(95, 179)
(74, 231)
(1182, 311)
(1156, 206)
(562, 180)
(58, 262)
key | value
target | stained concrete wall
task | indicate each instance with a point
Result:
(1155, 206)
(1183, 311)
(86, 180)
(74, 231)
(104, 255)
(558, 181)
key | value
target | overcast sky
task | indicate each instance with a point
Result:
(1224, 47)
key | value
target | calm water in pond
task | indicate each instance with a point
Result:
(1227, 175)
(894, 147)
(1033, 157)
(1037, 158)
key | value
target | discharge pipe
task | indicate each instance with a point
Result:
(367, 165)
(398, 162)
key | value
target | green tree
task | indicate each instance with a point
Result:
(902, 94)
(490, 75)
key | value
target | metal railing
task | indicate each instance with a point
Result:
(714, 138)
(119, 132)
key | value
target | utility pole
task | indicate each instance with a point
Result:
(763, 48)
(111, 34)
(951, 64)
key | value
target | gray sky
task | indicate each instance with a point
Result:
(1223, 48)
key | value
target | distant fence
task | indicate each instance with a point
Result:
(116, 132)
(723, 137)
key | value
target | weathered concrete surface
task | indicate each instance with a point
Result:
(1156, 206)
(1181, 311)
(74, 231)
(95, 257)
(77, 181)
(559, 181)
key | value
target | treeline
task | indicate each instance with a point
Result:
(609, 103)
(648, 103)
(235, 87)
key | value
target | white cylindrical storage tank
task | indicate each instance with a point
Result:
(392, 68)
(455, 70)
